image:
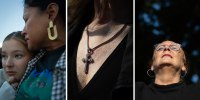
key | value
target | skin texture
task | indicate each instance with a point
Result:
(15, 57)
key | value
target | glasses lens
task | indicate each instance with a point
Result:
(160, 48)
(174, 47)
(171, 47)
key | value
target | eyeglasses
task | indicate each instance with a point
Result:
(172, 47)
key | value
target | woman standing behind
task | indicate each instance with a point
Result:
(15, 57)
(44, 31)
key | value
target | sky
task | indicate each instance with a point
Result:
(11, 17)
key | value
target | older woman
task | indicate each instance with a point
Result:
(169, 67)
(168, 63)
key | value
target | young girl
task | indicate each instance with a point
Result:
(15, 57)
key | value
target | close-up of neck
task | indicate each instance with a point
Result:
(166, 76)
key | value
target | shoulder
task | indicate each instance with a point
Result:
(140, 90)
(192, 91)
(61, 61)
(139, 86)
(129, 43)
(193, 87)
(7, 92)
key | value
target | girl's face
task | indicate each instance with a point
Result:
(15, 57)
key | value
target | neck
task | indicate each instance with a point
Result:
(167, 75)
(95, 27)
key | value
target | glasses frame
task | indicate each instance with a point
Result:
(170, 47)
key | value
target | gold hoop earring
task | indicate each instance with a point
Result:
(49, 30)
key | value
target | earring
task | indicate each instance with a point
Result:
(150, 73)
(183, 73)
(49, 30)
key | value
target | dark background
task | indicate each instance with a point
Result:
(159, 20)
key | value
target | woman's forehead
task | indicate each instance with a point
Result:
(168, 42)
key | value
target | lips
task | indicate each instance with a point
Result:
(166, 55)
(11, 73)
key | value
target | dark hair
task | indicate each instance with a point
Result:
(42, 5)
(80, 12)
(122, 11)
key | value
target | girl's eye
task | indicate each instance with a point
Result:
(18, 56)
(3, 56)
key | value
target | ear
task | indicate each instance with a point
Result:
(52, 10)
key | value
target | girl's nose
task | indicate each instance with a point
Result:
(9, 62)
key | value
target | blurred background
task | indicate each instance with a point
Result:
(11, 17)
(158, 20)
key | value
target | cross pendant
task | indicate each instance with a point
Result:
(88, 60)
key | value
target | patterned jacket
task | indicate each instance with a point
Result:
(58, 89)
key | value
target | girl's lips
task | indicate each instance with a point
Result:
(11, 73)
(167, 55)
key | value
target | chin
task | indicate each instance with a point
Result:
(166, 61)
(166, 64)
